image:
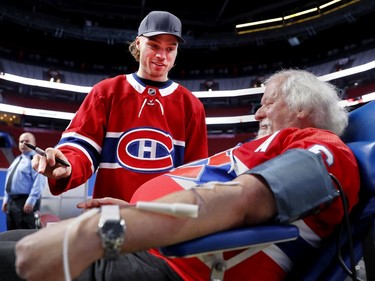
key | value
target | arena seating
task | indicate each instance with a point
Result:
(215, 107)
(40, 103)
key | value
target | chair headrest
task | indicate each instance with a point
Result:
(365, 155)
(360, 137)
(361, 124)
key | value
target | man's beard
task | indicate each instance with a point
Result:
(264, 128)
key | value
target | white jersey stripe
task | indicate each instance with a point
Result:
(279, 257)
(307, 234)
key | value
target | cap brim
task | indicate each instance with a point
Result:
(154, 33)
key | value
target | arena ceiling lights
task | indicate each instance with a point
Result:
(202, 94)
(294, 18)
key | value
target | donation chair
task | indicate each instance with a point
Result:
(336, 260)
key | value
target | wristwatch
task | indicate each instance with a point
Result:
(111, 230)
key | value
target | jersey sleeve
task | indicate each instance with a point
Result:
(81, 142)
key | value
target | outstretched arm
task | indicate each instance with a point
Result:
(223, 207)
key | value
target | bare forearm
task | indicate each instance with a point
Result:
(223, 207)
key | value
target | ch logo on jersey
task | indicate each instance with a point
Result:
(145, 150)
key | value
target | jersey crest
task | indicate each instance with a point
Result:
(145, 149)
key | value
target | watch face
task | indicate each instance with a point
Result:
(112, 229)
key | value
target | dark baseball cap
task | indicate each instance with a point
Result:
(160, 22)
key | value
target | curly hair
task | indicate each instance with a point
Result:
(303, 90)
(134, 50)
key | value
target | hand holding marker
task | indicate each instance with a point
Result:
(41, 152)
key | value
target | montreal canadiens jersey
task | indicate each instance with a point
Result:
(129, 132)
(274, 261)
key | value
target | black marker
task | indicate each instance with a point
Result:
(41, 152)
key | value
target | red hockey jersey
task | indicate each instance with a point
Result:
(129, 132)
(275, 261)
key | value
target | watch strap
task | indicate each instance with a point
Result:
(110, 212)
(111, 230)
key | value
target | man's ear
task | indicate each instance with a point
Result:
(302, 114)
(137, 43)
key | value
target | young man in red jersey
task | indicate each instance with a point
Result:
(134, 127)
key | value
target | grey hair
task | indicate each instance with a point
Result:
(303, 90)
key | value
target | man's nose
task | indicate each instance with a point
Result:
(161, 54)
(259, 114)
